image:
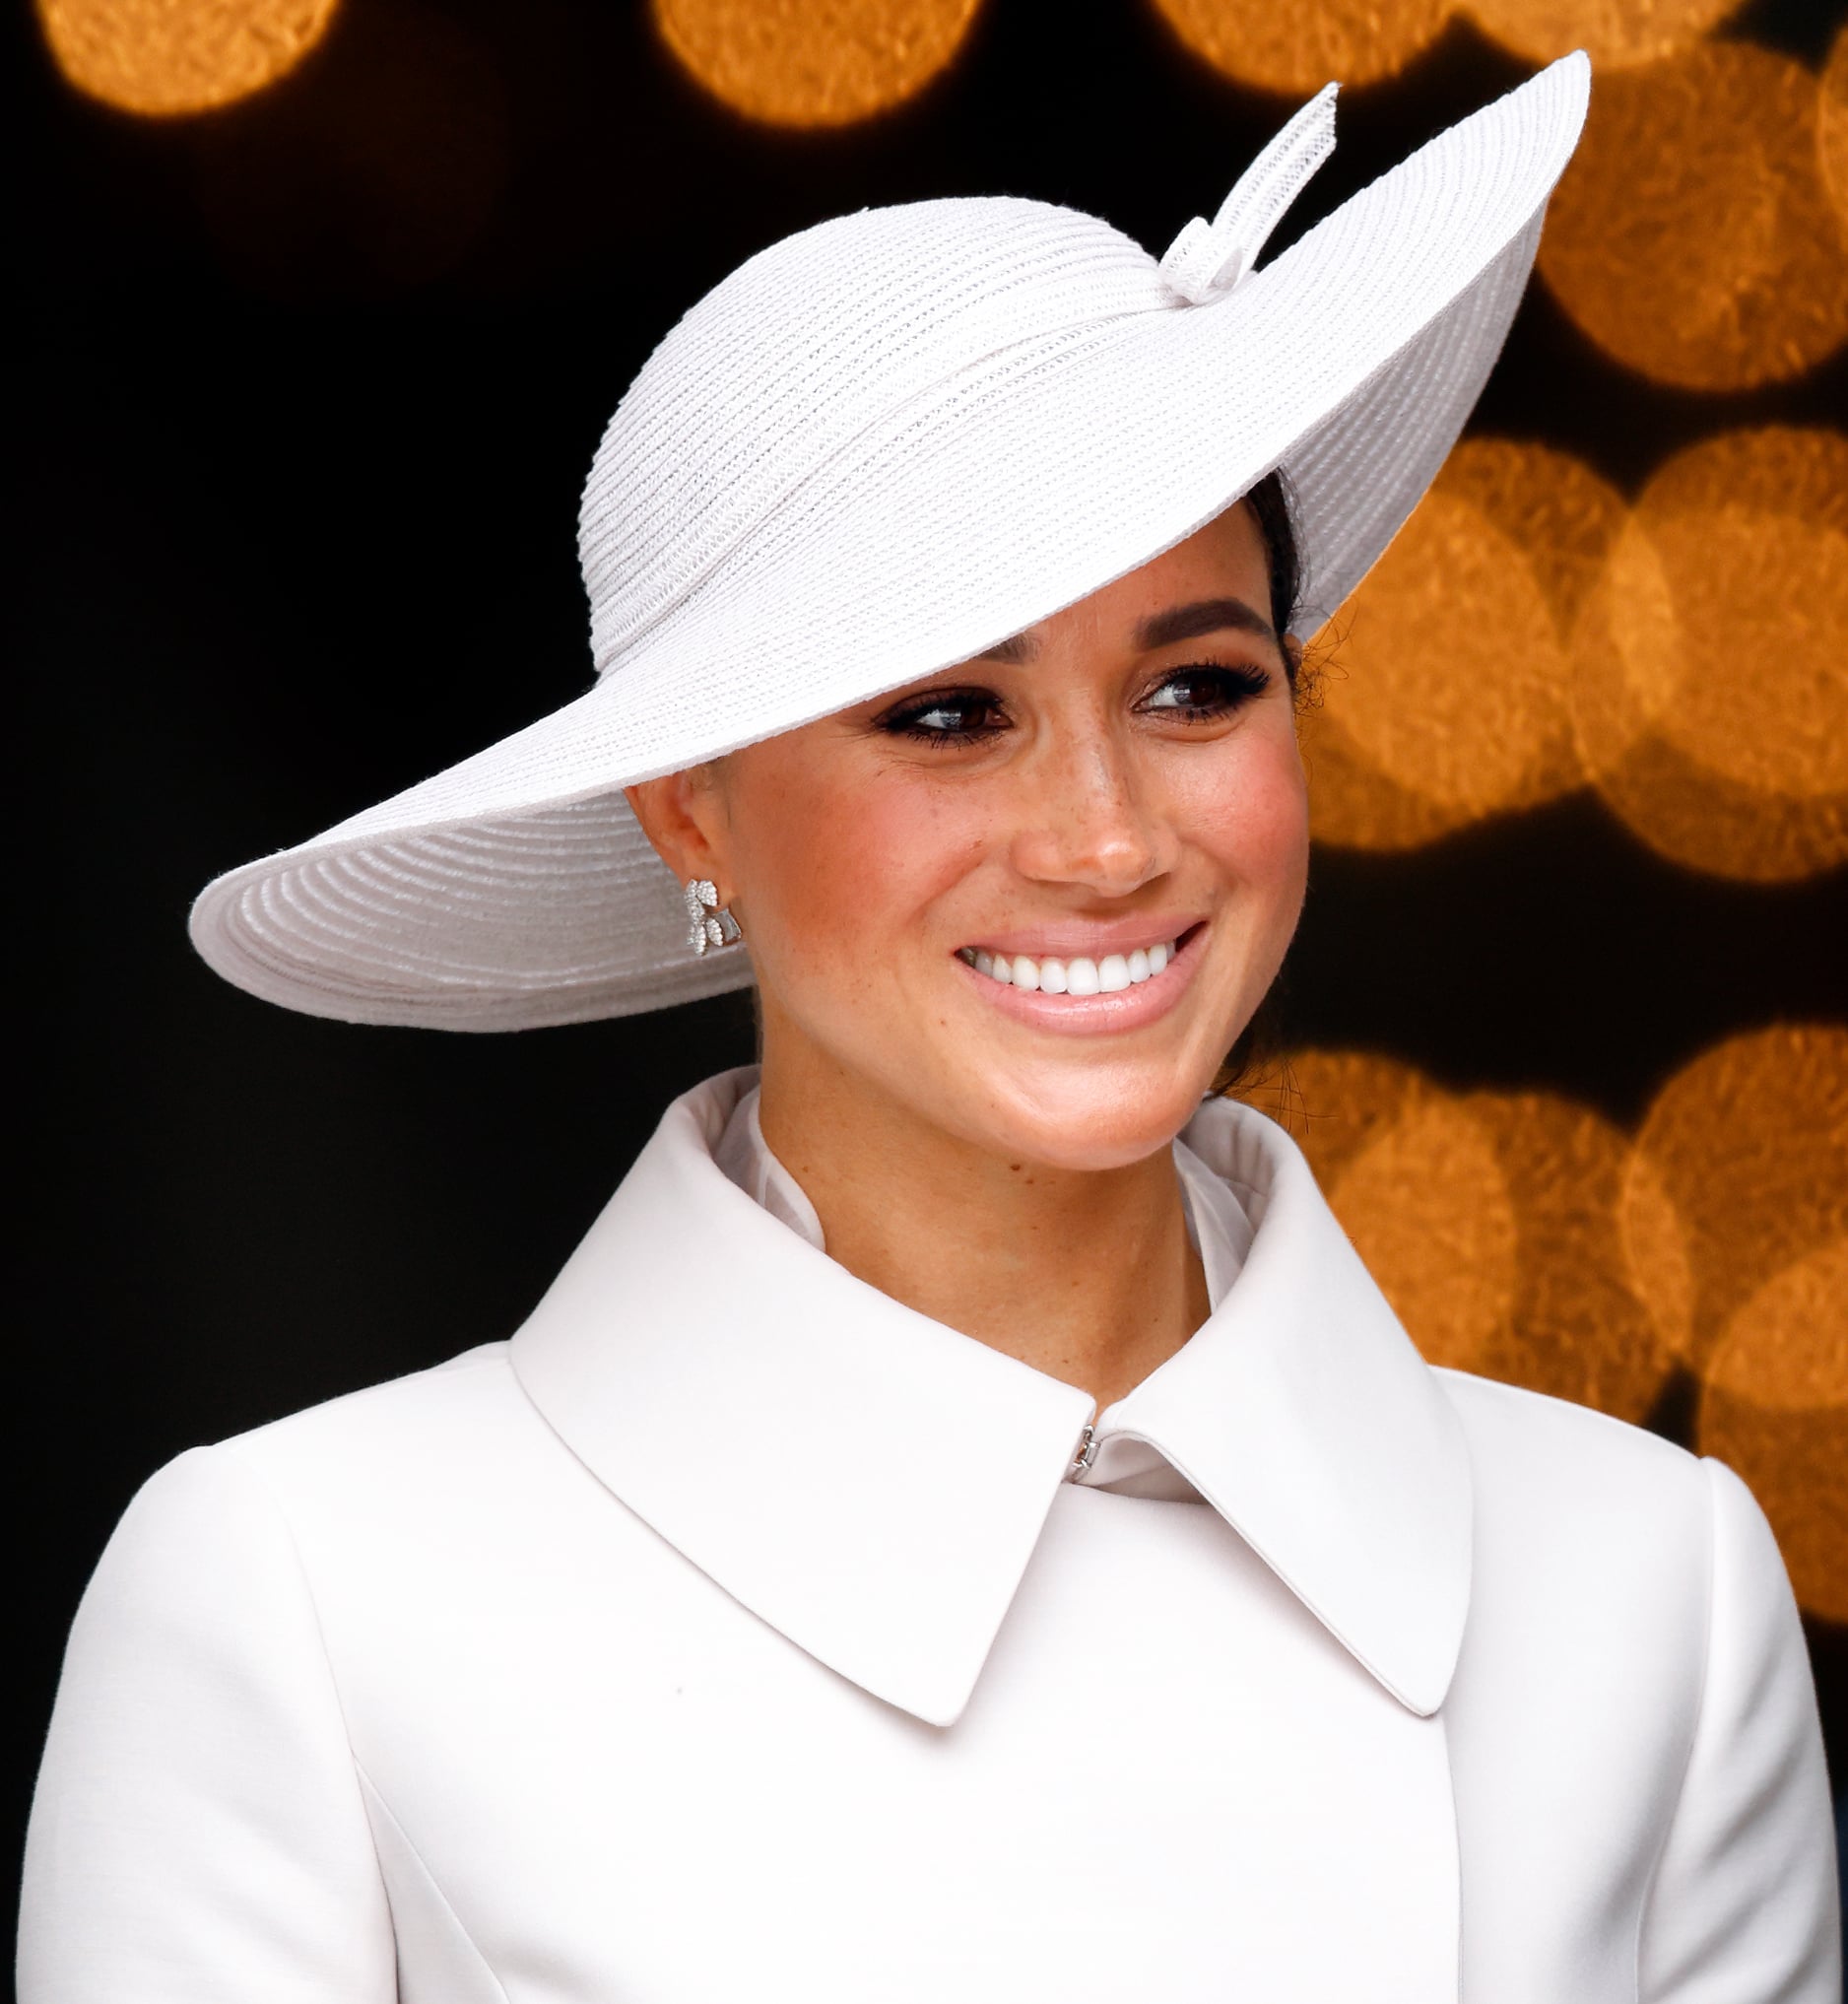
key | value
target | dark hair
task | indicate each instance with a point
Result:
(1270, 504)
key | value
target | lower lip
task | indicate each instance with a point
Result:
(1097, 1015)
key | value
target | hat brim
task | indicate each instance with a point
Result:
(516, 888)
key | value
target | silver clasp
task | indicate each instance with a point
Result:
(1086, 1455)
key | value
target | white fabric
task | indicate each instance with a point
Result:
(1208, 258)
(734, 1632)
(877, 449)
(748, 1162)
(1218, 1229)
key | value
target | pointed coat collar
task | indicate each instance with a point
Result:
(872, 1484)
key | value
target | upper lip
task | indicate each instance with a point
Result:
(1073, 937)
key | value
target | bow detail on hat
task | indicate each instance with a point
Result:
(1207, 260)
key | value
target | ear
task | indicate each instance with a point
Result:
(683, 815)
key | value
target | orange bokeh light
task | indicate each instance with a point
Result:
(1831, 126)
(1614, 33)
(1429, 1206)
(1490, 1222)
(1775, 1409)
(1521, 1237)
(811, 63)
(1445, 693)
(1710, 689)
(1741, 1170)
(1691, 236)
(166, 58)
(1294, 49)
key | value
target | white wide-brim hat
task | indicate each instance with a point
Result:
(877, 448)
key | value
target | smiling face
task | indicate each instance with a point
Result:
(1034, 899)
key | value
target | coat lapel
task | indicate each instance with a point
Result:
(867, 1481)
(1303, 1414)
(873, 1484)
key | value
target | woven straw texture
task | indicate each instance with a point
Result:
(877, 449)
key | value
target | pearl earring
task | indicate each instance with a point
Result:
(708, 923)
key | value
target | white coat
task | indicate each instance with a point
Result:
(735, 1632)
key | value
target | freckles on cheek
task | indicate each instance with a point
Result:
(1255, 819)
(911, 839)
(847, 872)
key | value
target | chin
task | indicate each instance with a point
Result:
(1098, 1118)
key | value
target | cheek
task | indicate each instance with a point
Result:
(843, 885)
(1250, 812)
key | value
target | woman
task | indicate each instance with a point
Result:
(963, 1523)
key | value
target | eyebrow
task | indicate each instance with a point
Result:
(1160, 630)
(1204, 616)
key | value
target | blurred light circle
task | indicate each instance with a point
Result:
(1490, 1222)
(1336, 1103)
(1787, 1348)
(1298, 49)
(814, 62)
(1741, 1173)
(1831, 126)
(1578, 1329)
(1444, 690)
(1710, 684)
(1429, 1210)
(1750, 562)
(166, 58)
(1614, 33)
(1657, 1256)
(1774, 1407)
(1454, 672)
(1692, 237)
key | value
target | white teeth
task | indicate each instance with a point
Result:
(1076, 976)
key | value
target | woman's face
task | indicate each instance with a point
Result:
(1034, 898)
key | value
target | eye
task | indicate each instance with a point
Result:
(944, 717)
(1206, 691)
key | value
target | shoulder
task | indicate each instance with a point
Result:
(1521, 1439)
(373, 1461)
(1559, 1486)
(1632, 1722)
(214, 1564)
(424, 1411)
(1615, 1528)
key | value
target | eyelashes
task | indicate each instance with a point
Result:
(1207, 692)
(949, 716)
(1214, 690)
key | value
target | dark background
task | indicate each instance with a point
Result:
(307, 393)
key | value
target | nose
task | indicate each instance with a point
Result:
(1087, 816)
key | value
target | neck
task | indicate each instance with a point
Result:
(1085, 1275)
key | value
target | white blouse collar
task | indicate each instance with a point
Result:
(872, 1484)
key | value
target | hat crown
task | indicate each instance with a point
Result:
(803, 348)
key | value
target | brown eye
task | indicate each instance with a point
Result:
(1201, 692)
(949, 716)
